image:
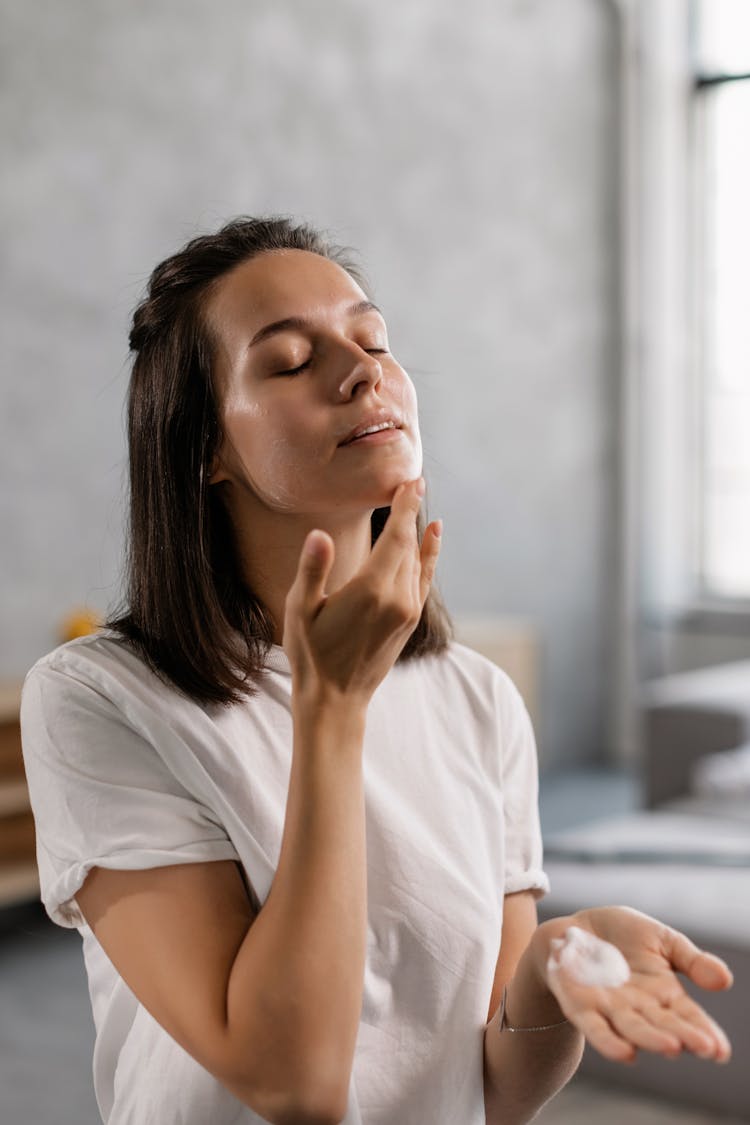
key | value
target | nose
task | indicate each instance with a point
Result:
(363, 368)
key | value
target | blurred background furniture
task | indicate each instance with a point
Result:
(687, 716)
(683, 858)
(18, 873)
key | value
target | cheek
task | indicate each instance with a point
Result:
(245, 435)
(271, 453)
(405, 398)
(405, 394)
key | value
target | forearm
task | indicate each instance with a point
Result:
(303, 960)
(524, 1069)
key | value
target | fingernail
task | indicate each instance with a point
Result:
(708, 1051)
(315, 546)
(421, 487)
(437, 528)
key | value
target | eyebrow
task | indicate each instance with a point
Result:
(299, 323)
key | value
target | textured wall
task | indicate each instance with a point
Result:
(468, 151)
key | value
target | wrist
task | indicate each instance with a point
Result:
(323, 707)
(529, 999)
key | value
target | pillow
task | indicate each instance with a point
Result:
(726, 773)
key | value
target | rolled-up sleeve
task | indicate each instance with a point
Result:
(520, 781)
(101, 796)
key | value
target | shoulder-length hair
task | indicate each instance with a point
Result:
(188, 611)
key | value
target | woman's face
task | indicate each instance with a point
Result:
(302, 360)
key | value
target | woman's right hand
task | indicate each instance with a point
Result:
(347, 642)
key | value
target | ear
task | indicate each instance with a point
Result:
(218, 471)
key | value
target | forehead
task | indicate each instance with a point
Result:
(279, 284)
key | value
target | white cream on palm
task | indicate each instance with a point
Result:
(588, 959)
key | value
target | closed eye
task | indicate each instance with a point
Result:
(302, 366)
(296, 370)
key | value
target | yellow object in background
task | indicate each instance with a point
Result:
(79, 623)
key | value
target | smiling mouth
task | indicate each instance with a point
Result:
(375, 438)
(375, 433)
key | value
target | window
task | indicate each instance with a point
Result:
(722, 120)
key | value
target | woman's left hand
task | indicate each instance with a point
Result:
(651, 1010)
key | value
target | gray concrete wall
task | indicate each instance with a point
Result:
(468, 151)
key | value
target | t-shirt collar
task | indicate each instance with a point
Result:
(277, 660)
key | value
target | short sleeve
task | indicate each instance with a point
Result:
(520, 781)
(101, 795)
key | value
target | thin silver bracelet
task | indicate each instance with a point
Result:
(505, 1026)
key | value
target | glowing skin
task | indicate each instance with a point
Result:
(285, 428)
(281, 467)
(588, 959)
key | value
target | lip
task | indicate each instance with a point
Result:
(373, 420)
(380, 437)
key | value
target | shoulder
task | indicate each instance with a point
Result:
(482, 683)
(101, 662)
(469, 662)
(83, 654)
(93, 707)
(99, 671)
(482, 671)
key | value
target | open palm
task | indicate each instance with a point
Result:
(651, 1010)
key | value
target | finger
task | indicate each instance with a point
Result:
(429, 558)
(694, 1028)
(604, 1038)
(694, 1014)
(419, 569)
(407, 571)
(313, 568)
(399, 536)
(638, 1029)
(703, 968)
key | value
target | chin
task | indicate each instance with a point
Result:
(386, 494)
(381, 482)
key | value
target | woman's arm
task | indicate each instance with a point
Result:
(270, 1004)
(523, 1071)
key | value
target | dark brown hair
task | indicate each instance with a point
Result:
(189, 613)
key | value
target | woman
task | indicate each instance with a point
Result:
(202, 772)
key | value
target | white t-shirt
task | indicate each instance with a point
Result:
(125, 772)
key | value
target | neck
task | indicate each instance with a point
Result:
(270, 545)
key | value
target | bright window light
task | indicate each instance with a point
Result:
(724, 157)
(724, 36)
